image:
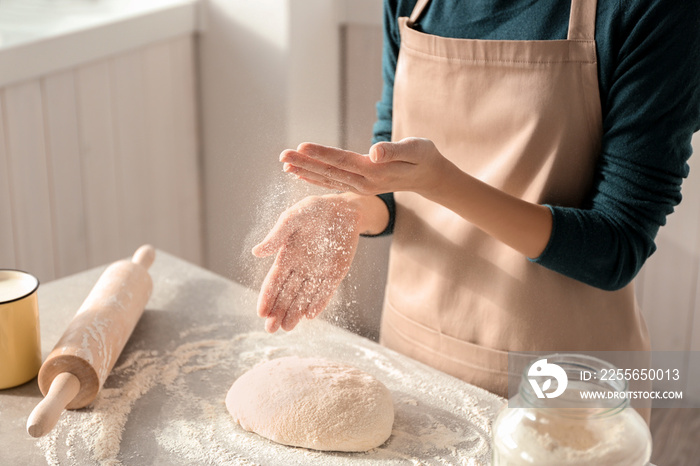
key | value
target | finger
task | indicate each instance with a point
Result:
(299, 306)
(274, 283)
(286, 297)
(275, 319)
(270, 289)
(272, 324)
(352, 176)
(271, 243)
(320, 300)
(291, 321)
(309, 176)
(275, 238)
(292, 318)
(340, 158)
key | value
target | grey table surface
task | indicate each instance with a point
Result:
(164, 401)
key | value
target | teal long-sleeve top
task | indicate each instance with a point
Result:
(649, 79)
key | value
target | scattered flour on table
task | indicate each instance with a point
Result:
(433, 425)
(101, 425)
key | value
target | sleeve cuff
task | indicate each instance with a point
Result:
(544, 253)
(388, 199)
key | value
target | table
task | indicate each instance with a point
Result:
(164, 401)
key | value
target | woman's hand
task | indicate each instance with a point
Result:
(415, 164)
(412, 164)
(315, 241)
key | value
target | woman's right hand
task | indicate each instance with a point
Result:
(315, 241)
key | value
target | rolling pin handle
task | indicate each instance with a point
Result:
(45, 416)
(144, 256)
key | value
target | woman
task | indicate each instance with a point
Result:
(538, 147)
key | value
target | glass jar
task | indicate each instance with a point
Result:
(566, 429)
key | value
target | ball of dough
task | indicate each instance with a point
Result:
(313, 403)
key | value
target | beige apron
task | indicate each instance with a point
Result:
(525, 117)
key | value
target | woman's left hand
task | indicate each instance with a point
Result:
(412, 164)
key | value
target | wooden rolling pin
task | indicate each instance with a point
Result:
(82, 359)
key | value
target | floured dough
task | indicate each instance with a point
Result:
(313, 403)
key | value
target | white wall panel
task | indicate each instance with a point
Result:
(185, 161)
(7, 241)
(160, 141)
(313, 72)
(270, 79)
(97, 151)
(97, 160)
(26, 160)
(136, 168)
(243, 67)
(65, 173)
(362, 83)
(362, 12)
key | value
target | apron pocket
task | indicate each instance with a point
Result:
(478, 365)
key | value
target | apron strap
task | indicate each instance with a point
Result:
(582, 20)
(417, 11)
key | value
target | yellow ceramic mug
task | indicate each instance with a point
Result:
(20, 345)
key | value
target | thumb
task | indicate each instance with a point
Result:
(382, 152)
(274, 240)
(405, 150)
